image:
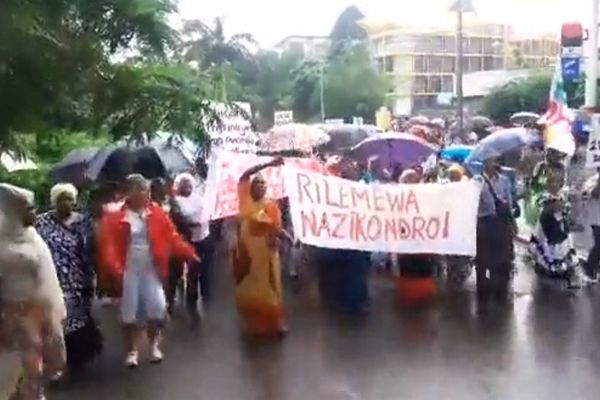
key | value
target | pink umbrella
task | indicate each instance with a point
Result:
(294, 137)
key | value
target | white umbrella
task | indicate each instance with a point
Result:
(290, 137)
(13, 163)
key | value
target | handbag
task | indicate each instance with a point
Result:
(502, 209)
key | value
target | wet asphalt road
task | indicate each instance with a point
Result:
(547, 346)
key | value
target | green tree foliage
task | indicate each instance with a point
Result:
(353, 87)
(140, 100)
(211, 50)
(53, 53)
(346, 30)
(269, 86)
(59, 71)
(530, 94)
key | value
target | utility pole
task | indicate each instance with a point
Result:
(459, 71)
(591, 81)
(460, 7)
(322, 90)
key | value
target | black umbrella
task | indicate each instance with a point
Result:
(115, 163)
(73, 167)
(345, 137)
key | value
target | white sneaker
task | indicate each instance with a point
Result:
(156, 356)
(131, 361)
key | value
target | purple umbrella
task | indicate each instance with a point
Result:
(395, 148)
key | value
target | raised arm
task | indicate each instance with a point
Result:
(276, 162)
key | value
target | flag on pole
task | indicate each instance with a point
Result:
(558, 118)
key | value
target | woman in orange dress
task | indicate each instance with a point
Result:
(256, 265)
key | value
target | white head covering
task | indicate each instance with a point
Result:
(12, 200)
(62, 188)
(184, 177)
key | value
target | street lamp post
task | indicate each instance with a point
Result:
(460, 7)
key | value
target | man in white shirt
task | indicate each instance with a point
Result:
(189, 196)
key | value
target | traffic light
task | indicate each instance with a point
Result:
(571, 35)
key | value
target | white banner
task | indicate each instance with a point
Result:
(234, 133)
(592, 156)
(224, 171)
(336, 213)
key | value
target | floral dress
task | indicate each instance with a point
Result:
(69, 248)
(551, 243)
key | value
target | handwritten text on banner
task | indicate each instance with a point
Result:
(416, 219)
(225, 170)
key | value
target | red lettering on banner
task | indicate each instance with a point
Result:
(412, 201)
(433, 228)
(308, 223)
(404, 228)
(360, 194)
(391, 230)
(378, 200)
(303, 183)
(324, 225)
(338, 227)
(395, 201)
(446, 225)
(344, 194)
(359, 230)
(375, 223)
(328, 199)
(418, 226)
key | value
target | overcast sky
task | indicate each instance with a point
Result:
(271, 20)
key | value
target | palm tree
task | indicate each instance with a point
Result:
(212, 50)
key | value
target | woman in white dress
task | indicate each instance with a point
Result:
(33, 309)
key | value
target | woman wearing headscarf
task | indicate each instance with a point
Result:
(256, 265)
(33, 309)
(65, 231)
(496, 228)
(136, 244)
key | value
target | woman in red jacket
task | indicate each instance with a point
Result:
(135, 246)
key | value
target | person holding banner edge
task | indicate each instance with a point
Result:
(496, 228)
(256, 263)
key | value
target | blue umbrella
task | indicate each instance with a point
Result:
(501, 142)
(457, 153)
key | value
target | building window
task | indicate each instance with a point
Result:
(498, 63)
(449, 44)
(420, 64)
(435, 64)
(488, 63)
(424, 101)
(475, 46)
(448, 84)
(473, 64)
(389, 64)
(379, 64)
(437, 44)
(449, 64)
(434, 84)
(420, 84)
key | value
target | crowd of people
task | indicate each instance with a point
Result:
(143, 242)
